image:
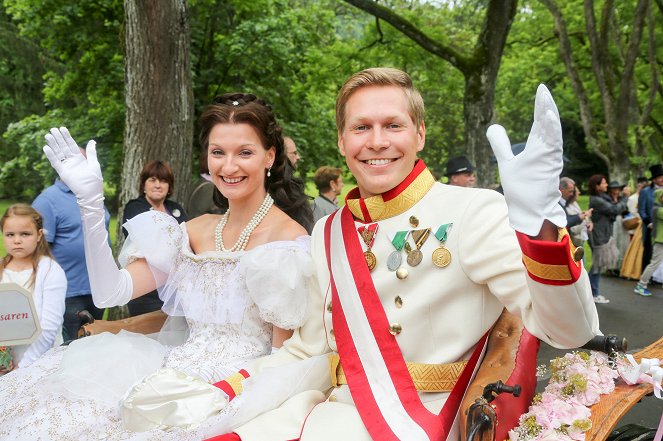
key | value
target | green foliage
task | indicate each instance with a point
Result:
(62, 62)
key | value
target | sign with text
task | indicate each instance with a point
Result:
(19, 323)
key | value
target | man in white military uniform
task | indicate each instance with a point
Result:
(412, 276)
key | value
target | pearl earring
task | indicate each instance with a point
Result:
(269, 171)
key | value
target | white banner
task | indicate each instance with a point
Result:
(19, 323)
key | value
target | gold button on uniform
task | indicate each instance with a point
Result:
(395, 328)
(398, 301)
(578, 253)
(331, 333)
(402, 273)
(332, 399)
(414, 222)
(329, 307)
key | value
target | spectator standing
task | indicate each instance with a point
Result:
(460, 172)
(619, 232)
(579, 232)
(291, 151)
(329, 182)
(157, 182)
(657, 240)
(574, 214)
(604, 250)
(645, 205)
(63, 232)
(201, 199)
(29, 263)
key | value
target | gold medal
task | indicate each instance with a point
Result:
(415, 257)
(371, 260)
(441, 257)
(368, 233)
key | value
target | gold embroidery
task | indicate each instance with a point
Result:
(426, 377)
(378, 209)
(546, 271)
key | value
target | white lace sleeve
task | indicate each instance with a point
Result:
(278, 276)
(154, 236)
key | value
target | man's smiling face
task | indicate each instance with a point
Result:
(380, 141)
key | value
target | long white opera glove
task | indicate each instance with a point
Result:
(110, 286)
(531, 179)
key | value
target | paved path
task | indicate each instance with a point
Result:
(640, 320)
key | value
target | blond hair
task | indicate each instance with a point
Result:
(380, 76)
(42, 246)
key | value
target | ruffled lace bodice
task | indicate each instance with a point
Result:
(230, 299)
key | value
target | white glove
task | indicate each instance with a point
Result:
(531, 179)
(109, 285)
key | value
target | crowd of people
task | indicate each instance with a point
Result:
(371, 327)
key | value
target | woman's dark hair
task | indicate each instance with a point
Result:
(159, 170)
(594, 181)
(242, 108)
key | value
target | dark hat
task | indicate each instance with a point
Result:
(615, 184)
(641, 179)
(459, 164)
(656, 170)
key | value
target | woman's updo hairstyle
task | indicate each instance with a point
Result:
(245, 108)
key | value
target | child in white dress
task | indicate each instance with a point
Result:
(29, 263)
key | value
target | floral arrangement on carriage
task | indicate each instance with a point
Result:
(577, 380)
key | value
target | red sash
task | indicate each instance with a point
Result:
(380, 384)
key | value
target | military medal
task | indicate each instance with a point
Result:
(414, 257)
(368, 235)
(441, 255)
(395, 258)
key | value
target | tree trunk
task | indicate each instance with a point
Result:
(159, 94)
(607, 131)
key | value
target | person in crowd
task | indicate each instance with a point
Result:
(579, 232)
(632, 202)
(645, 205)
(617, 191)
(460, 172)
(291, 149)
(657, 239)
(429, 304)
(64, 233)
(601, 241)
(157, 183)
(574, 215)
(240, 280)
(201, 199)
(29, 264)
(329, 182)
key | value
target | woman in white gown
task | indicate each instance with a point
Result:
(239, 301)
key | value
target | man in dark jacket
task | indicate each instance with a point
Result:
(645, 205)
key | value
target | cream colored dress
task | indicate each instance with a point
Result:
(230, 302)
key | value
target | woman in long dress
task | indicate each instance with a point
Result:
(239, 280)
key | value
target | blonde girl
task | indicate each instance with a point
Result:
(29, 263)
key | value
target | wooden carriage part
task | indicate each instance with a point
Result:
(148, 323)
(612, 407)
(500, 362)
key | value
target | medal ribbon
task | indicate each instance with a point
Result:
(420, 237)
(399, 239)
(368, 233)
(443, 231)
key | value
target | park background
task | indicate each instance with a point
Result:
(135, 75)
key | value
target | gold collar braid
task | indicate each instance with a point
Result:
(395, 201)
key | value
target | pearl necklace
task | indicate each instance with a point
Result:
(243, 239)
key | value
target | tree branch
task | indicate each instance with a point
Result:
(443, 51)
